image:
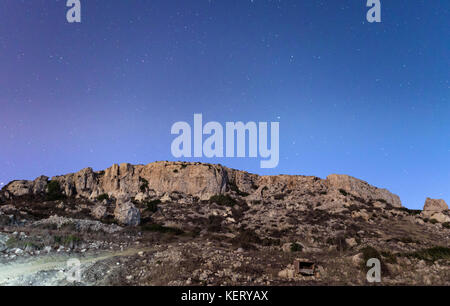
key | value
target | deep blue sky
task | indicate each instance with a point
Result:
(368, 100)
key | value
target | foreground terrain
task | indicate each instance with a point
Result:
(200, 224)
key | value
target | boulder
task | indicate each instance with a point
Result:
(433, 205)
(127, 214)
(440, 217)
(435, 209)
(99, 211)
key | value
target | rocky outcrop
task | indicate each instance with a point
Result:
(165, 180)
(436, 210)
(361, 189)
(22, 187)
(19, 188)
(433, 205)
(158, 178)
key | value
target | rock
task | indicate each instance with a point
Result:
(127, 214)
(8, 209)
(184, 182)
(140, 197)
(356, 259)
(286, 247)
(19, 188)
(351, 242)
(358, 188)
(40, 184)
(3, 239)
(80, 225)
(434, 209)
(99, 212)
(321, 271)
(288, 273)
(360, 214)
(433, 205)
(166, 198)
(440, 217)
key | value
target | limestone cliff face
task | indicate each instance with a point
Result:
(362, 189)
(201, 181)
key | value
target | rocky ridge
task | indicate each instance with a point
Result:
(204, 224)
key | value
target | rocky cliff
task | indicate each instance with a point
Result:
(162, 179)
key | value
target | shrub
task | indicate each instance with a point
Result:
(71, 239)
(412, 212)
(234, 188)
(152, 205)
(144, 184)
(102, 197)
(433, 221)
(54, 191)
(431, 254)
(295, 247)
(343, 192)
(12, 242)
(370, 252)
(161, 229)
(446, 224)
(389, 257)
(215, 223)
(245, 239)
(224, 200)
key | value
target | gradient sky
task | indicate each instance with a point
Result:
(368, 100)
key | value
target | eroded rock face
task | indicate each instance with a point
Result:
(361, 189)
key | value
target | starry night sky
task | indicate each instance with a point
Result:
(368, 100)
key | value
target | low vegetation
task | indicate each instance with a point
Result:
(295, 247)
(412, 212)
(67, 240)
(224, 200)
(54, 192)
(161, 229)
(152, 206)
(370, 252)
(103, 197)
(431, 254)
(144, 184)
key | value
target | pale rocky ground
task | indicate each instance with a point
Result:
(200, 224)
